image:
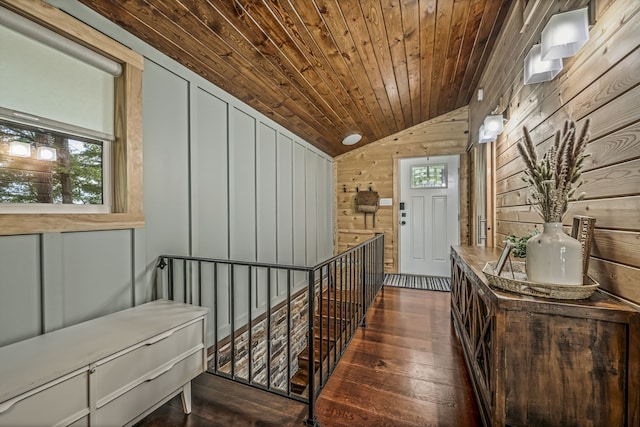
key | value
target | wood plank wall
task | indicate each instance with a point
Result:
(600, 82)
(375, 166)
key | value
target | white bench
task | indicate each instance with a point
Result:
(110, 371)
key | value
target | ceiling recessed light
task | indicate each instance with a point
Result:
(352, 138)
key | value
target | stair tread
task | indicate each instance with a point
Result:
(335, 312)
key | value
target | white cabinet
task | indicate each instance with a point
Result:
(44, 406)
(109, 371)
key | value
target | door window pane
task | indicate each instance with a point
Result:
(429, 176)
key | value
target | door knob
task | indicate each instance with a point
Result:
(403, 222)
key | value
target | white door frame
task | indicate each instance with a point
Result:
(463, 197)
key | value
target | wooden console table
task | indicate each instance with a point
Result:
(109, 371)
(540, 362)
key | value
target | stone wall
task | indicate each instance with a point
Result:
(299, 326)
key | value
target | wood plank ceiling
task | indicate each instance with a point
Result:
(326, 68)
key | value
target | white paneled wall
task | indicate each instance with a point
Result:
(165, 120)
(209, 165)
(96, 274)
(242, 186)
(284, 207)
(20, 297)
(311, 232)
(266, 195)
(220, 181)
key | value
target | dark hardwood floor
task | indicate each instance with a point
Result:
(405, 369)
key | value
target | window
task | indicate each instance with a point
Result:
(429, 176)
(50, 101)
(104, 100)
(48, 170)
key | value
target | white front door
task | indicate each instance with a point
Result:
(429, 214)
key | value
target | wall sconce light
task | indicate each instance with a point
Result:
(565, 34)
(47, 153)
(352, 138)
(537, 70)
(494, 124)
(485, 137)
(20, 149)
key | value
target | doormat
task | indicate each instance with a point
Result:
(429, 283)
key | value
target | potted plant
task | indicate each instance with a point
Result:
(519, 244)
(553, 256)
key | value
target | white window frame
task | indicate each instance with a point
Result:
(20, 118)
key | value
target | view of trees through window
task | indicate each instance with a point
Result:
(429, 176)
(68, 171)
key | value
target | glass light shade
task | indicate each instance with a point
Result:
(47, 153)
(20, 149)
(485, 137)
(536, 70)
(351, 139)
(494, 124)
(565, 34)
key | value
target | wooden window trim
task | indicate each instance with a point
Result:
(127, 147)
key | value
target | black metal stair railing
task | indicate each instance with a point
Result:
(279, 328)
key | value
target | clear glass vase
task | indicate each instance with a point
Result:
(554, 257)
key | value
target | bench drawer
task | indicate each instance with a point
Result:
(115, 374)
(44, 406)
(158, 386)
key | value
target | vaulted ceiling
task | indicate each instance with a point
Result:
(326, 68)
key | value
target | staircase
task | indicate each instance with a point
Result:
(263, 352)
(336, 313)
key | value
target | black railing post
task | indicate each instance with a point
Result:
(311, 415)
(335, 323)
(214, 315)
(289, 274)
(250, 326)
(364, 286)
(269, 328)
(232, 318)
(320, 326)
(381, 261)
(199, 282)
(184, 281)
